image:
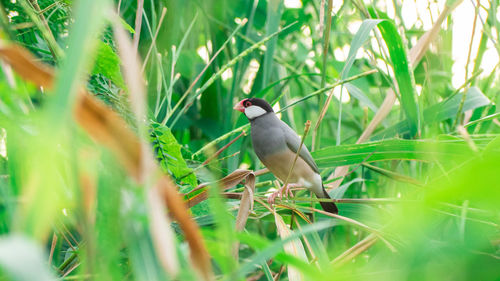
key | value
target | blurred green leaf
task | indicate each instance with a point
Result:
(82, 40)
(23, 260)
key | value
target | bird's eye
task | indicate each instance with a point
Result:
(247, 103)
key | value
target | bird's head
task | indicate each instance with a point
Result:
(253, 107)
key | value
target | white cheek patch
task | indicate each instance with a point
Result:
(254, 111)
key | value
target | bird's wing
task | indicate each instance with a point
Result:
(293, 143)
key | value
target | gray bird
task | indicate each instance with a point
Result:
(276, 145)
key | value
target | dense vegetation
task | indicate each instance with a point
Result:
(121, 157)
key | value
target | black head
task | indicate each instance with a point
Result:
(254, 107)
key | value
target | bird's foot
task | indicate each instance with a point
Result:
(282, 191)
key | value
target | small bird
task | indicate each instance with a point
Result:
(276, 145)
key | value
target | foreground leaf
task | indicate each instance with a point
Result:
(23, 260)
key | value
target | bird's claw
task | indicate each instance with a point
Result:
(283, 191)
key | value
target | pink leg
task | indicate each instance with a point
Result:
(287, 192)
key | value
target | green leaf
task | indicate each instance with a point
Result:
(276, 247)
(441, 111)
(107, 63)
(359, 39)
(359, 95)
(169, 154)
(402, 71)
(393, 149)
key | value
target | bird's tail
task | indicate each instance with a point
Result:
(329, 207)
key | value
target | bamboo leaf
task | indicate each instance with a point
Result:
(357, 42)
(402, 71)
(275, 247)
(359, 95)
(394, 149)
(440, 112)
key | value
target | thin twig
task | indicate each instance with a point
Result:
(70, 270)
(52, 247)
(216, 154)
(138, 24)
(322, 90)
(69, 233)
(41, 23)
(326, 41)
(263, 204)
(153, 42)
(49, 7)
(459, 112)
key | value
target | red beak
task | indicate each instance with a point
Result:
(239, 106)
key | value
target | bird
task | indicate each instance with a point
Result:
(276, 146)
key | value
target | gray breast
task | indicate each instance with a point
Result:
(267, 136)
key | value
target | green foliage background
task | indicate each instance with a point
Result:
(424, 190)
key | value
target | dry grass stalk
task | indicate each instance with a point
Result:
(160, 226)
(246, 206)
(231, 180)
(162, 234)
